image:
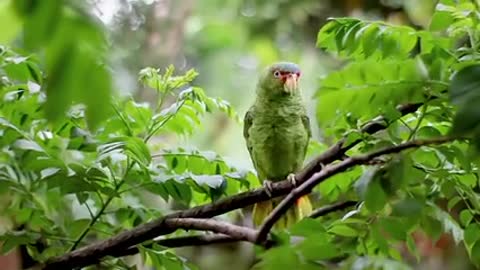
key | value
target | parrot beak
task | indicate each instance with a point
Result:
(291, 83)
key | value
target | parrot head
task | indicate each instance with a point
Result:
(280, 78)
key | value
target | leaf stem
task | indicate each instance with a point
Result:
(100, 212)
(419, 122)
(154, 129)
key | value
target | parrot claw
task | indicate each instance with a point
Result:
(291, 178)
(267, 184)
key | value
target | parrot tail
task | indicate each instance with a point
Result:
(301, 209)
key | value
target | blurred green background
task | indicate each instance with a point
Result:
(228, 42)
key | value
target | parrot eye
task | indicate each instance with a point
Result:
(276, 73)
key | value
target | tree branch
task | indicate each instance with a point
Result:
(234, 231)
(182, 241)
(330, 170)
(210, 239)
(124, 240)
(320, 212)
(229, 231)
(338, 150)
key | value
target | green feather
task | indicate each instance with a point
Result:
(277, 132)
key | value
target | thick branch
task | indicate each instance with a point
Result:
(234, 231)
(182, 241)
(124, 240)
(210, 239)
(93, 252)
(330, 170)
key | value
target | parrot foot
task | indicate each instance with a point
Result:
(322, 166)
(291, 178)
(377, 161)
(267, 184)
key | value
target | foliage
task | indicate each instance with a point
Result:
(74, 48)
(78, 164)
(64, 183)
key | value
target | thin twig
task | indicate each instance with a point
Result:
(100, 212)
(89, 210)
(320, 212)
(414, 131)
(338, 150)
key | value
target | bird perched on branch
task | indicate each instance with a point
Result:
(277, 131)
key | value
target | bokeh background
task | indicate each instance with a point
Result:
(228, 43)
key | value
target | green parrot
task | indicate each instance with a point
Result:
(277, 131)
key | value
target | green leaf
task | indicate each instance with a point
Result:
(449, 224)
(472, 234)
(408, 207)
(358, 39)
(23, 215)
(13, 239)
(395, 227)
(378, 236)
(371, 38)
(78, 226)
(282, 257)
(412, 247)
(135, 147)
(41, 20)
(467, 118)
(343, 230)
(375, 197)
(452, 202)
(369, 188)
(138, 116)
(306, 227)
(465, 85)
(464, 93)
(441, 20)
(151, 77)
(432, 227)
(475, 253)
(428, 132)
(47, 172)
(71, 58)
(465, 217)
(317, 247)
(365, 89)
(28, 145)
(213, 181)
(179, 191)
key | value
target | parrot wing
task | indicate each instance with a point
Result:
(306, 124)
(247, 123)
